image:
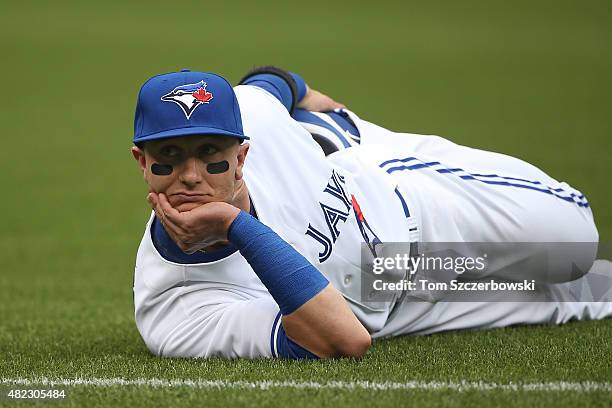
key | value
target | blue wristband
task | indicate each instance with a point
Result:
(288, 87)
(289, 277)
(301, 85)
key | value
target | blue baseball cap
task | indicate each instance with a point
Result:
(186, 103)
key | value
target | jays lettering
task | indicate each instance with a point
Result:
(335, 213)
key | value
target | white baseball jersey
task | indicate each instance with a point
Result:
(390, 188)
(221, 307)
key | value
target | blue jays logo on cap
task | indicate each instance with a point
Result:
(189, 97)
(156, 119)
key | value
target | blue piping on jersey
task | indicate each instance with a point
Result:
(305, 116)
(447, 170)
(344, 122)
(272, 343)
(404, 206)
(404, 160)
(469, 176)
(412, 167)
(527, 181)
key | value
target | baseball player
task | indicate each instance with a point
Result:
(254, 245)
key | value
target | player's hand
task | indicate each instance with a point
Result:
(315, 101)
(196, 229)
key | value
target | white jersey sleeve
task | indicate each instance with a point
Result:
(182, 310)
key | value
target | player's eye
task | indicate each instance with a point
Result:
(170, 152)
(208, 150)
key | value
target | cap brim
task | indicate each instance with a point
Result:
(190, 131)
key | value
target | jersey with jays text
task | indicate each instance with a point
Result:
(325, 207)
(375, 186)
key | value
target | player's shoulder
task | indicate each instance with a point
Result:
(159, 268)
(253, 99)
(151, 270)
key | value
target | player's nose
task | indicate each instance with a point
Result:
(191, 172)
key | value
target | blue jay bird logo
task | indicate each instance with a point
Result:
(370, 237)
(189, 97)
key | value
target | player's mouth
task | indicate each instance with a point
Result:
(187, 197)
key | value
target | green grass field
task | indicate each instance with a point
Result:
(527, 78)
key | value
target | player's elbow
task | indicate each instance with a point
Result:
(356, 346)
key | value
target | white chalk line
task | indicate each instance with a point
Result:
(460, 386)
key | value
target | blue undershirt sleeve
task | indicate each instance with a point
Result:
(289, 277)
(274, 85)
(278, 87)
(287, 348)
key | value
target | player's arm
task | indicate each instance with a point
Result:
(290, 89)
(315, 316)
(325, 119)
(204, 321)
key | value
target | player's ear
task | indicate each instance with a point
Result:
(139, 156)
(243, 149)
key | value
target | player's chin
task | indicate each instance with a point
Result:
(188, 206)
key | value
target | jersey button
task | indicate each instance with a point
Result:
(347, 279)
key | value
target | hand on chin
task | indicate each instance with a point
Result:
(187, 206)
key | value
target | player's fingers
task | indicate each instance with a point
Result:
(153, 199)
(168, 223)
(171, 213)
(174, 231)
(178, 236)
(175, 234)
(172, 228)
(328, 104)
(153, 202)
(337, 105)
